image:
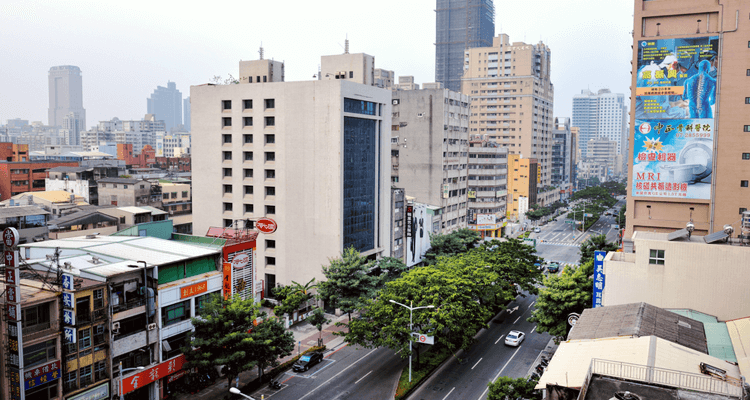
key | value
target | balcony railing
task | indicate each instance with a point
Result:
(128, 305)
(36, 328)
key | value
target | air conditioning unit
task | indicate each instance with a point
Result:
(151, 327)
(115, 326)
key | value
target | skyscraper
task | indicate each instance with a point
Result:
(65, 95)
(186, 114)
(166, 103)
(460, 25)
(601, 114)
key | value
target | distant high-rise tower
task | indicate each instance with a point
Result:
(601, 114)
(65, 95)
(186, 114)
(166, 104)
(461, 25)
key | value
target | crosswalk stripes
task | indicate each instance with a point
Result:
(558, 243)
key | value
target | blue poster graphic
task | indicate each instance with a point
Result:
(598, 277)
(677, 78)
(41, 380)
(673, 158)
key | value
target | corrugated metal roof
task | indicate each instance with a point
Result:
(571, 361)
(154, 210)
(739, 332)
(20, 211)
(135, 210)
(717, 335)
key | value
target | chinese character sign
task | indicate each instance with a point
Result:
(227, 280)
(69, 334)
(41, 380)
(673, 158)
(192, 290)
(152, 374)
(69, 317)
(67, 281)
(598, 277)
(68, 301)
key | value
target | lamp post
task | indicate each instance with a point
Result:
(411, 309)
(234, 390)
(119, 372)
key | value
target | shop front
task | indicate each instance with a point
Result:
(140, 386)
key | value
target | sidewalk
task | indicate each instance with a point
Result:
(305, 337)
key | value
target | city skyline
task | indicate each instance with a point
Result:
(115, 82)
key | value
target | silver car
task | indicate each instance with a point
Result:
(514, 338)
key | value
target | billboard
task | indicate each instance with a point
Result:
(598, 277)
(484, 219)
(418, 242)
(674, 130)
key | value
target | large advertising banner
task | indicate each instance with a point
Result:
(417, 244)
(674, 109)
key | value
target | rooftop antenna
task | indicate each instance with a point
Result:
(346, 45)
(261, 50)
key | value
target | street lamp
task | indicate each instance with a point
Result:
(120, 371)
(234, 390)
(410, 326)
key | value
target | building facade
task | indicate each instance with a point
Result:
(429, 151)
(166, 104)
(28, 176)
(460, 25)
(310, 155)
(66, 95)
(512, 100)
(563, 154)
(601, 114)
(523, 180)
(488, 190)
(701, 174)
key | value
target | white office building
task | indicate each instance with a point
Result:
(601, 114)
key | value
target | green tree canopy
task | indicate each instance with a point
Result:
(592, 244)
(225, 334)
(388, 269)
(562, 295)
(453, 243)
(506, 388)
(348, 281)
(318, 319)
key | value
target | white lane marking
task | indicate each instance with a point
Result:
(532, 303)
(533, 329)
(340, 372)
(519, 317)
(362, 377)
(499, 339)
(501, 371)
(449, 393)
(476, 364)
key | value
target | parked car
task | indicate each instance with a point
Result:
(537, 230)
(539, 265)
(514, 338)
(306, 361)
(553, 267)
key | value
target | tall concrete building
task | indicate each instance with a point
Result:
(166, 104)
(563, 154)
(512, 100)
(71, 129)
(488, 180)
(186, 114)
(460, 25)
(603, 151)
(690, 156)
(66, 95)
(601, 114)
(523, 181)
(311, 155)
(429, 152)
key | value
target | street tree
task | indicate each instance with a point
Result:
(513, 261)
(507, 388)
(450, 244)
(592, 244)
(571, 292)
(290, 299)
(226, 334)
(388, 269)
(348, 281)
(318, 319)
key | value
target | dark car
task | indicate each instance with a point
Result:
(306, 361)
(553, 267)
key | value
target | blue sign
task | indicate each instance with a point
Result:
(69, 334)
(598, 277)
(67, 282)
(68, 300)
(69, 317)
(41, 380)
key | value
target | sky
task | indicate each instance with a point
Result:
(126, 49)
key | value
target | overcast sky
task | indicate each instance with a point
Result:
(125, 49)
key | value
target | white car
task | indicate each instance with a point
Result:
(514, 338)
(537, 230)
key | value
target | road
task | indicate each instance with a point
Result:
(488, 358)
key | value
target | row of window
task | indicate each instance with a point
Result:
(249, 208)
(247, 104)
(248, 172)
(269, 139)
(226, 122)
(84, 376)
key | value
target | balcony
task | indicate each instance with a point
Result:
(133, 341)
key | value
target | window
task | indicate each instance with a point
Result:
(747, 72)
(84, 339)
(270, 261)
(227, 172)
(226, 122)
(270, 121)
(361, 107)
(247, 139)
(184, 194)
(100, 370)
(201, 301)
(270, 103)
(249, 208)
(247, 155)
(271, 191)
(226, 138)
(227, 188)
(99, 334)
(270, 209)
(270, 244)
(227, 155)
(747, 100)
(40, 353)
(747, 128)
(36, 318)
(98, 298)
(742, 210)
(226, 104)
(227, 206)
(227, 223)
(247, 121)
(656, 257)
(247, 104)
(270, 156)
(248, 172)
(248, 189)
(743, 183)
(86, 376)
(70, 381)
(270, 139)
(177, 312)
(351, 74)
(270, 174)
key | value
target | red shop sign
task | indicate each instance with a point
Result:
(152, 374)
(266, 225)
